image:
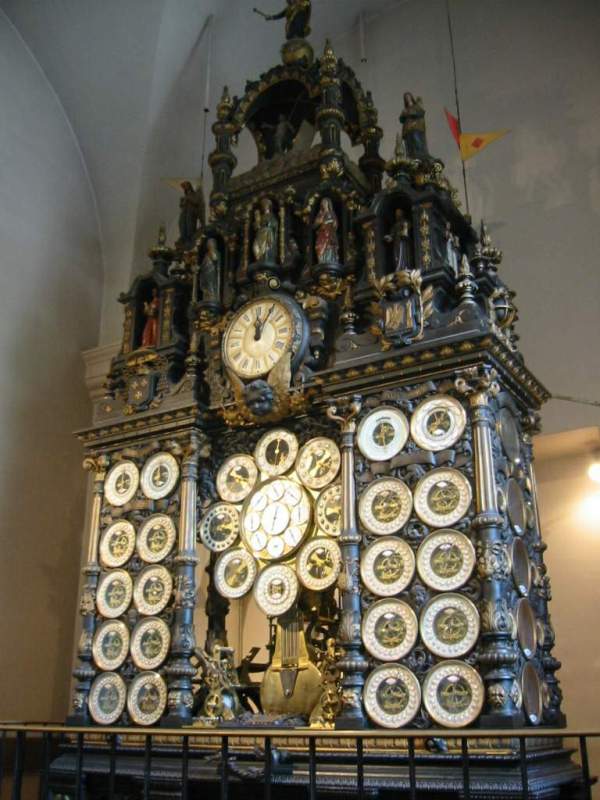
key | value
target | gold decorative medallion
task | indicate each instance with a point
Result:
(159, 475)
(234, 573)
(445, 560)
(526, 627)
(438, 423)
(276, 519)
(236, 478)
(449, 625)
(453, 694)
(153, 590)
(117, 544)
(219, 527)
(107, 698)
(521, 567)
(329, 510)
(387, 566)
(442, 497)
(389, 629)
(276, 590)
(318, 564)
(385, 506)
(516, 508)
(318, 462)
(111, 644)
(392, 696)
(382, 434)
(150, 642)
(276, 452)
(114, 593)
(156, 538)
(121, 483)
(532, 690)
(509, 434)
(147, 698)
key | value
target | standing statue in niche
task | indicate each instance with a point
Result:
(191, 215)
(209, 279)
(280, 136)
(413, 127)
(297, 18)
(150, 332)
(451, 249)
(326, 244)
(399, 237)
(266, 229)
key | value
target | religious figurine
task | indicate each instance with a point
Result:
(150, 332)
(399, 237)
(451, 250)
(413, 127)
(266, 226)
(297, 18)
(282, 137)
(191, 214)
(326, 223)
(209, 280)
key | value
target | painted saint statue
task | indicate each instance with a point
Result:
(150, 332)
(209, 279)
(326, 244)
(266, 228)
(399, 237)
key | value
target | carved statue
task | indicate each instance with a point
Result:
(281, 135)
(400, 238)
(209, 280)
(326, 223)
(266, 226)
(451, 249)
(191, 214)
(413, 127)
(150, 332)
(297, 18)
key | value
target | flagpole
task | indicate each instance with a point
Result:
(464, 171)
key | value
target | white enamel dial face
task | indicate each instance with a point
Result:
(318, 462)
(445, 560)
(389, 629)
(107, 698)
(236, 478)
(111, 644)
(220, 527)
(329, 510)
(392, 696)
(147, 698)
(442, 497)
(318, 563)
(117, 544)
(276, 519)
(276, 452)
(152, 590)
(382, 434)
(159, 476)
(387, 566)
(438, 423)
(156, 538)
(385, 506)
(257, 337)
(276, 590)
(449, 625)
(121, 483)
(234, 573)
(150, 642)
(114, 593)
(453, 694)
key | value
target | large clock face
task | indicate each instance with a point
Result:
(258, 336)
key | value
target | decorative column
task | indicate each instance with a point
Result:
(497, 655)
(222, 160)
(85, 672)
(353, 663)
(179, 670)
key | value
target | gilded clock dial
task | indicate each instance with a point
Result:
(276, 590)
(445, 560)
(220, 527)
(117, 544)
(114, 593)
(121, 483)
(453, 693)
(389, 629)
(329, 510)
(318, 563)
(318, 462)
(236, 478)
(276, 519)
(382, 433)
(385, 506)
(449, 625)
(392, 695)
(387, 566)
(442, 497)
(152, 590)
(107, 698)
(150, 642)
(111, 644)
(234, 573)
(159, 475)
(438, 423)
(257, 337)
(147, 698)
(156, 538)
(276, 452)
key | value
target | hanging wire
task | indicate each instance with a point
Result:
(579, 400)
(451, 34)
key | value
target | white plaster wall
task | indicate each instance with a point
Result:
(50, 289)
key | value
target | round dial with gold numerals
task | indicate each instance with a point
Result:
(236, 478)
(276, 451)
(260, 333)
(318, 462)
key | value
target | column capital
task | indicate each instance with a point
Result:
(344, 411)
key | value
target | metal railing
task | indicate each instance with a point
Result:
(233, 755)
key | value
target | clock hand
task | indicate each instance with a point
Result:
(258, 326)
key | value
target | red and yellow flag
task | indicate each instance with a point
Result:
(470, 144)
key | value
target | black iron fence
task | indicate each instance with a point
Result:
(56, 761)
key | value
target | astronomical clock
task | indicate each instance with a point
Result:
(319, 399)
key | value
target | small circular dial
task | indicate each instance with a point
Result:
(114, 593)
(509, 434)
(219, 527)
(276, 590)
(258, 336)
(438, 423)
(382, 433)
(318, 564)
(236, 478)
(147, 698)
(152, 590)
(121, 483)
(453, 693)
(318, 462)
(117, 544)
(159, 476)
(392, 695)
(156, 538)
(276, 519)
(387, 566)
(445, 560)
(385, 506)
(389, 629)
(111, 644)
(276, 452)
(442, 497)
(449, 625)
(234, 573)
(107, 698)
(150, 642)
(329, 510)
